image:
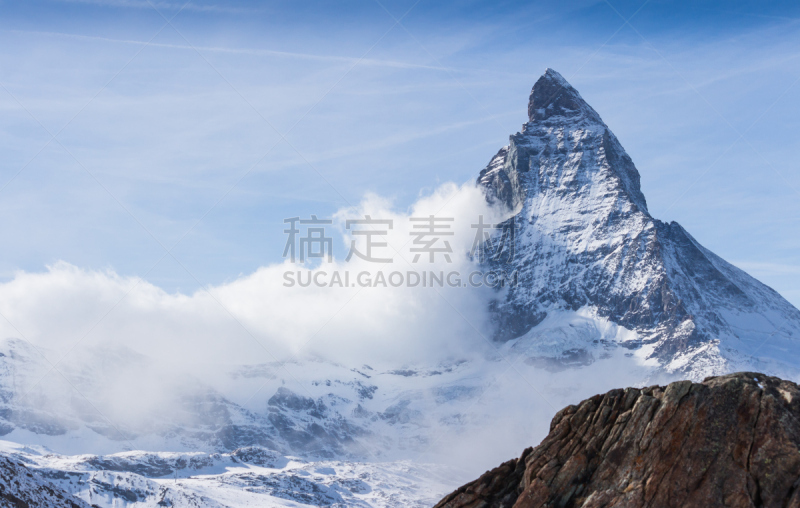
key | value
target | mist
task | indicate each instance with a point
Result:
(127, 349)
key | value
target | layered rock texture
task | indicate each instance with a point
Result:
(731, 441)
(585, 239)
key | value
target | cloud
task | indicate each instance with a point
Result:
(768, 268)
(171, 6)
(123, 330)
(348, 60)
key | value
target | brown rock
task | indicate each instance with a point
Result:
(729, 441)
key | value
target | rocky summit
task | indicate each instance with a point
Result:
(732, 441)
(584, 238)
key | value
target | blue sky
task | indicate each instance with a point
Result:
(205, 132)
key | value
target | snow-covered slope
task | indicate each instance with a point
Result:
(400, 421)
(247, 477)
(320, 410)
(21, 486)
(584, 237)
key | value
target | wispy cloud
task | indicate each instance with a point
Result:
(760, 267)
(246, 51)
(145, 4)
(403, 138)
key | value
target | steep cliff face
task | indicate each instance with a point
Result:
(585, 238)
(729, 441)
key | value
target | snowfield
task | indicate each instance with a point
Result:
(246, 477)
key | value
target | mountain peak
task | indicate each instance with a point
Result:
(552, 95)
(554, 75)
(585, 239)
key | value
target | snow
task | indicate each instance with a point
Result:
(225, 480)
(423, 429)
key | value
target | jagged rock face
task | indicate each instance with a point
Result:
(729, 441)
(20, 487)
(584, 237)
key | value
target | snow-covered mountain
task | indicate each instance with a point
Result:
(606, 296)
(21, 486)
(584, 238)
(321, 410)
(250, 476)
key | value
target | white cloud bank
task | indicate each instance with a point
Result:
(141, 349)
(256, 319)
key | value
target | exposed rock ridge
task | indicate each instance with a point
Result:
(729, 441)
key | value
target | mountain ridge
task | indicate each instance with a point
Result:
(586, 238)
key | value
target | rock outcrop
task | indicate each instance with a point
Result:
(730, 441)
